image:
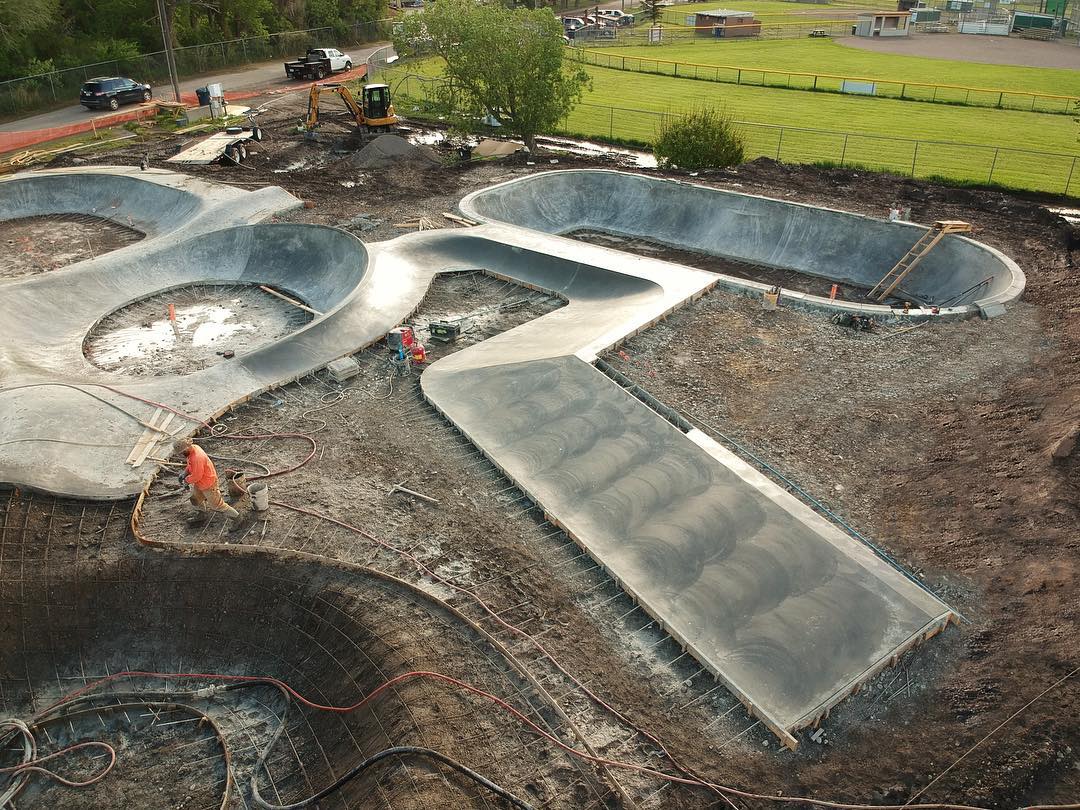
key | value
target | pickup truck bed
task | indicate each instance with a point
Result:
(318, 62)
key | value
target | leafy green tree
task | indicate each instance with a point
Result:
(19, 21)
(506, 63)
(705, 138)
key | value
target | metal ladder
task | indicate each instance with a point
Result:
(918, 252)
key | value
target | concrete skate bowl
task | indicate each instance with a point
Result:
(47, 318)
(333, 633)
(957, 277)
(150, 208)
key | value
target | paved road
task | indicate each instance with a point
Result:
(264, 76)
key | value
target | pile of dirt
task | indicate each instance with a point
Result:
(393, 150)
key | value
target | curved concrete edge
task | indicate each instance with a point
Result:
(45, 319)
(833, 244)
(153, 201)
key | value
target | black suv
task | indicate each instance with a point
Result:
(112, 92)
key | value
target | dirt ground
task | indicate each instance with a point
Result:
(933, 442)
(38, 244)
(973, 48)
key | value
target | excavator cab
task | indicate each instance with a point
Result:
(376, 111)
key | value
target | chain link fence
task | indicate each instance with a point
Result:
(1052, 172)
(831, 83)
(32, 93)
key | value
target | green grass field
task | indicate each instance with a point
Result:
(628, 106)
(825, 56)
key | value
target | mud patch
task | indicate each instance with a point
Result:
(32, 245)
(190, 328)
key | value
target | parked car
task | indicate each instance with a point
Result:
(109, 92)
(620, 18)
(572, 24)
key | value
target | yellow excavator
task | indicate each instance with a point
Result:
(375, 113)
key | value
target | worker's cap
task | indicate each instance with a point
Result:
(182, 446)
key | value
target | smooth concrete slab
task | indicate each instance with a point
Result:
(836, 245)
(789, 612)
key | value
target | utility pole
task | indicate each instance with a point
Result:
(166, 39)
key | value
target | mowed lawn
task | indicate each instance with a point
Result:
(629, 106)
(826, 57)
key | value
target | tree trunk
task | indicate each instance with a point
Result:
(530, 141)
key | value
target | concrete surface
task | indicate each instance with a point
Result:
(835, 245)
(196, 234)
(785, 609)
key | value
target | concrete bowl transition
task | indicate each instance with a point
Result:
(789, 611)
(834, 245)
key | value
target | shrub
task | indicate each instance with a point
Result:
(705, 138)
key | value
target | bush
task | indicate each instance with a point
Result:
(705, 138)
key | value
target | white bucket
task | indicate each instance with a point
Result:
(260, 496)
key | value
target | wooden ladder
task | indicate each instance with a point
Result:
(918, 252)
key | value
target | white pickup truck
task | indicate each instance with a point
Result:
(318, 63)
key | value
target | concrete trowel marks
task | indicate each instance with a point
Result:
(790, 612)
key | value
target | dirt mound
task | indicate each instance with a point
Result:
(393, 150)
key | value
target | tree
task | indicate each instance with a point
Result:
(705, 138)
(506, 63)
(19, 21)
(652, 10)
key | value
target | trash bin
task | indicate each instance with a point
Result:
(203, 94)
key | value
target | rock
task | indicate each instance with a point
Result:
(1064, 446)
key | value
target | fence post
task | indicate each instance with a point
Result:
(52, 86)
(843, 152)
(914, 157)
(993, 165)
(738, 77)
(611, 123)
(1069, 181)
(779, 143)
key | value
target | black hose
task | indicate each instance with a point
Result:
(402, 750)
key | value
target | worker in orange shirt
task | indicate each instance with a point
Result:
(201, 476)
